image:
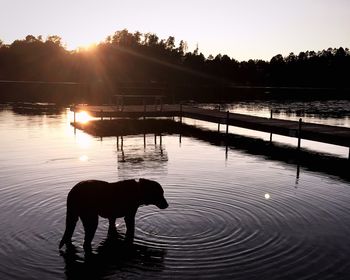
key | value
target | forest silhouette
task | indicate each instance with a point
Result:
(125, 59)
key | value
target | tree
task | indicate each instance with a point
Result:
(183, 47)
(57, 40)
(170, 43)
(150, 39)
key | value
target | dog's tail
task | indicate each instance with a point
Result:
(71, 221)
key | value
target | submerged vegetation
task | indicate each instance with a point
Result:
(126, 58)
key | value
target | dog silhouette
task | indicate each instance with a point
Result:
(89, 199)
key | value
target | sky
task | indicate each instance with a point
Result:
(242, 29)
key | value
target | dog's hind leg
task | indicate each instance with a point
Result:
(90, 222)
(130, 226)
(71, 221)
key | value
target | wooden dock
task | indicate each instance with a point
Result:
(316, 132)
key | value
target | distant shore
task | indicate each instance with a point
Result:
(38, 69)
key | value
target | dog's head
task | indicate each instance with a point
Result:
(153, 193)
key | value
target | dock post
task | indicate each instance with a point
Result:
(101, 115)
(155, 139)
(271, 112)
(117, 143)
(144, 108)
(219, 120)
(299, 133)
(227, 119)
(144, 140)
(74, 116)
(181, 113)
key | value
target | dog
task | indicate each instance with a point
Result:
(89, 199)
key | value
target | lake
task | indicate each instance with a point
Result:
(232, 214)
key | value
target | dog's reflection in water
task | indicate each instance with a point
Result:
(114, 256)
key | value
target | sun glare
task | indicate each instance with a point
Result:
(86, 47)
(82, 117)
(84, 142)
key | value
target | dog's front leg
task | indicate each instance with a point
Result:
(130, 226)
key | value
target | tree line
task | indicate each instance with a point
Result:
(126, 57)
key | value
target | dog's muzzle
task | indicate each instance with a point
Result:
(163, 204)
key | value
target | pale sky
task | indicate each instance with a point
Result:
(242, 29)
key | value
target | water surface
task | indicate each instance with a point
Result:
(239, 216)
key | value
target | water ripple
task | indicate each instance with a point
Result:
(240, 219)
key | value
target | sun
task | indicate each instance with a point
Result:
(82, 45)
(87, 47)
